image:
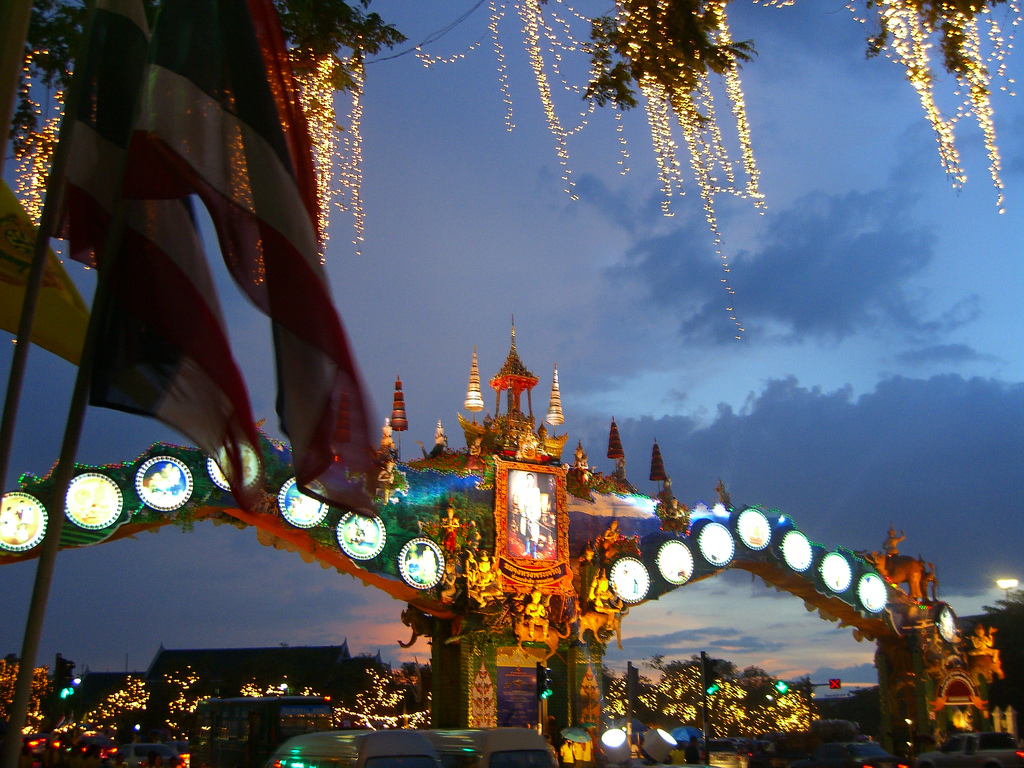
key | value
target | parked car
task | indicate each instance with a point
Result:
(974, 750)
(727, 753)
(106, 745)
(37, 743)
(137, 755)
(867, 754)
(183, 750)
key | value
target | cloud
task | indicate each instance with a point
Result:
(938, 457)
(938, 354)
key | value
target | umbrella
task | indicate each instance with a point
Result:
(620, 722)
(575, 734)
(683, 733)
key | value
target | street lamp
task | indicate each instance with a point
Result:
(1006, 585)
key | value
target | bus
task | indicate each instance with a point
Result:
(245, 732)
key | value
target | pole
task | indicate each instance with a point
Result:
(704, 698)
(62, 478)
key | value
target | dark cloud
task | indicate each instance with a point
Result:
(939, 458)
(943, 354)
(829, 267)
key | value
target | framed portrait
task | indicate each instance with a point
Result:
(297, 508)
(164, 483)
(361, 537)
(531, 525)
(93, 501)
(22, 522)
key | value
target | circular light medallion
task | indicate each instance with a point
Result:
(946, 624)
(716, 544)
(250, 467)
(629, 579)
(22, 522)
(675, 562)
(297, 508)
(872, 592)
(836, 572)
(754, 529)
(421, 563)
(796, 551)
(361, 537)
(93, 501)
(213, 470)
(164, 483)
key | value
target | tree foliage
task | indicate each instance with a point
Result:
(314, 30)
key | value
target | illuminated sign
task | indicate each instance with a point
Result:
(22, 522)
(629, 579)
(796, 551)
(872, 592)
(297, 508)
(250, 467)
(163, 483)
(361, 537)
(754, 529)
(716, 544)
(675, 562)
(93, 501)
(836, 572)
(421, 563)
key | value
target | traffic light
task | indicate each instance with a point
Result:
(64, 681)
(781, 687)
(835, 684)
(709, 674)
(543, 682)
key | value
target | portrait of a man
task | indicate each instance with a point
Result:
(531, 515)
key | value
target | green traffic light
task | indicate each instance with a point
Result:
(66, 692)
(713, 689)
(546, 693)
(781, 686)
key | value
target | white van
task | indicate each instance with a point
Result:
(356, 749)
(485, 748)
(493, 748)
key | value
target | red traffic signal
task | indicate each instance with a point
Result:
(834, 684)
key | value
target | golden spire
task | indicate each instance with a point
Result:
(474, 400)
(554, 417)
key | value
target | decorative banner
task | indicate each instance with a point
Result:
(716, 544)
(629, 579)
(250, 468)
(164, 483)
(421, 563)
(836, 572)
(872, 592)
(361, 537)
(297, 508)
(796, 551)
(517, 686)
(675, 562)
(22, 522)
(754, 529)
(93, 501)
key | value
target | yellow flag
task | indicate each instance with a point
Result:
(61, 315)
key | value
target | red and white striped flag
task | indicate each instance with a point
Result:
(219, 116)
(163, 350)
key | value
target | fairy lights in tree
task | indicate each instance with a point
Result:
(910, 29)
(34, 153)
(131, 698)
(39, 692)
(185, 698)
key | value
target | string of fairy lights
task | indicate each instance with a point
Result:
(546, 34)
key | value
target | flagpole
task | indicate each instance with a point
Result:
(47, 222)
(61, 479)
(76, 413)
